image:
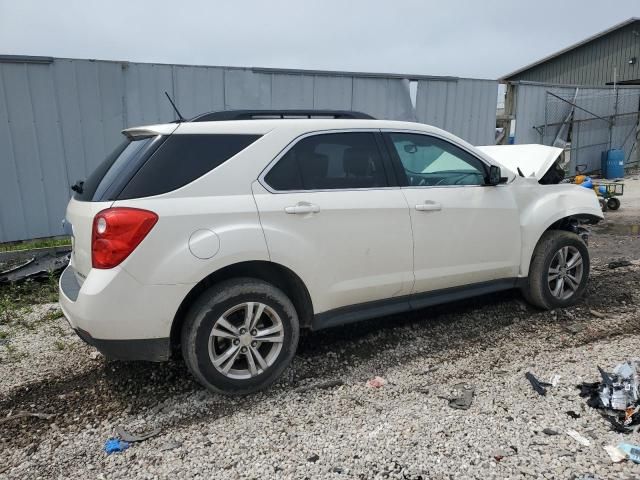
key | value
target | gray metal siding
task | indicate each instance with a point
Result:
(592, 63)
(59, 119)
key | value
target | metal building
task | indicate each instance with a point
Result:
(602, 59)
(60, 117)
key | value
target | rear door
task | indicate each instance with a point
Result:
(464, 232)
(330, 214)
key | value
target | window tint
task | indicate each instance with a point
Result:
(96, 184)
(181, 159)
(330, 161)
(429, 161)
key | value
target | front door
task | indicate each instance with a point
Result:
(464, 231)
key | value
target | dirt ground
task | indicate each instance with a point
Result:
(301, 428)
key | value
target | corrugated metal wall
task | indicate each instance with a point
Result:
(534, 107)
(59, 118)
(592, 63)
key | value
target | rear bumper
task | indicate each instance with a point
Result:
(118, 315)
(150, 349)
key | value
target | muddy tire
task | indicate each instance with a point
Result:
(613, 203)
(559, 271)
(239, 336)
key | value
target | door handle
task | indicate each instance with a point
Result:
(301, 208)
(429, 207)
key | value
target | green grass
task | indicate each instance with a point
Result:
(21, 296)
(37, 243)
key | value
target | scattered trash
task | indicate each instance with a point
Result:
(115, 445)
(327, 384)
(615, 454)
(617, 396)
(573, 414)
(620, 263)
(537, 385)
(37, 267)
(132, 438)
(579, 438)
(170, 445)
(463, 396)
(597, 314)
(555, 380)
(631, 451)
(550, 431)
(376, 382)
(95, 355)
(43, 416)
(313, 458)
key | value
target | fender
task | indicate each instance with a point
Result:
(541, 206)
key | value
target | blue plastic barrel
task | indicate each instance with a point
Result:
(612, 163)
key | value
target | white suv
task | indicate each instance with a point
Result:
(225, 235)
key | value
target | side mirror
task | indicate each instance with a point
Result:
(494, 175)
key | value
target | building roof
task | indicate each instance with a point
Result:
(571, 47)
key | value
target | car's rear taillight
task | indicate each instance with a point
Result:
(117, 232)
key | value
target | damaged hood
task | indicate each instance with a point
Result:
(533, 160)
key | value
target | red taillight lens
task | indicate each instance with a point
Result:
(117, 232)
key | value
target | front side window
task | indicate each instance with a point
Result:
(429, 161)
(330, 161)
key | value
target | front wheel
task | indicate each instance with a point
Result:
(559, 270)
(239, 336)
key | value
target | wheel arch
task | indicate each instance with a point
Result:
(278, 275)
(567, 222)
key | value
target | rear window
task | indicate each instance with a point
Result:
(182, 159)
(100, 184)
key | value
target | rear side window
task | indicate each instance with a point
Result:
(182, 159)
(329, 162)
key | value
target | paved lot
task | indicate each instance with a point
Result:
(405, 429)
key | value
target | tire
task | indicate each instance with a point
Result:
(603, 204)
(230, 300)
(539, 289)
(613, 203)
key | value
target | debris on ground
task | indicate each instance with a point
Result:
(617, 396)
(376, 382)
(555, 380)
(632, 452)
(550, 431)
(462, 397)
(170, 445)
(43, 416)
(620, 263)
(115, 445)
(579, 438)
(573, 414)
(313, 458)
(37, 267)
(537, 385)
(615, 454)
(321, 385)
(597, 314)
(132, 438)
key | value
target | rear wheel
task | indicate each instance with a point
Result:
(239, 336)
(559, 270)
(613, 203)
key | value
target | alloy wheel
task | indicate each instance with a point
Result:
(246, 340)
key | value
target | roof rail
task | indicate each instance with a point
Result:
(270, 114)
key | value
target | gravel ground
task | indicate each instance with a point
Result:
(404, 429)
